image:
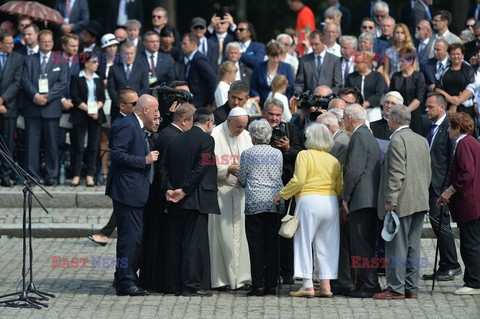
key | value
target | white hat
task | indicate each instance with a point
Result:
(108, 40)
(390, 226)
(237, 111)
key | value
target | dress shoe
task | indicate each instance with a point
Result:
(223, 288)
(50, 183)
(444, 275)
(288, 280)
(303, 293)
(90, 236)
(411, 296)
(467, 291)
(6, 182)
(388, 295)
(132, 291)
(341, 291)
(200, 293)
(365, 292)
(270, 291)
(256, 292)
(320, 294)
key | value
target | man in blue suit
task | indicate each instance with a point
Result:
(435, 66)
(196, 69)
(128, 186)
(253, 52)
(159, 64)
(75, 13)
(44, 83)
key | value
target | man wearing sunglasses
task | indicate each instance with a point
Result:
(159, 20)
(206, 46)
(368, 25)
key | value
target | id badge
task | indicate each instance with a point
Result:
(107, 96)
(43, 85)
(152, 79)
(92, 108)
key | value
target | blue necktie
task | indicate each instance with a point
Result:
(152, 170)
(3, 60)
(430, 134)
(127, 73)
(319, 64)
(187, 69)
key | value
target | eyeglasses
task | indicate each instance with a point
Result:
(94, 61)
(157, 17)
(418, 28)
(370, 27)
(242, 29)
(470, 25)
(199, 27)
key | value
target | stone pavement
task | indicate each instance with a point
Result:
(87, 292)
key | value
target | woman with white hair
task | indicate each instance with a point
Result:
(261, 176)
(317, 186)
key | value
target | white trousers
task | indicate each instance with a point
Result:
(319, 226)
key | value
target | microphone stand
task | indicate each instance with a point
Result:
(23, 296)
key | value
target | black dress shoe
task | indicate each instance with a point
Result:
(288, 280)
(256, 292)
(200, 293)
(132, 291)
(6, 182)
(341, 291)
(90, 236)
(365, 293)
(223, 288)
(448, 275)
(270, 291)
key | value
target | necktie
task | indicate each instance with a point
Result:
(43, 65)
(421, 47)
(430, 134)
(362, 85)
(67, 8)
(127, 73)
(319, 64)
(152, 64)
(152, 170)
(220, 50)
(30, 51)
(3, 60)
(347, 71)
(439, 70)
(187, 69)
(204, 46)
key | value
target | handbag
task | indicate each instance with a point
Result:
(290, 222)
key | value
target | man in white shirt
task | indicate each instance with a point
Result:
(331, 35)
(133, 30)
(348, 45)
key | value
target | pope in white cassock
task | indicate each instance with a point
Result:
(229, 257)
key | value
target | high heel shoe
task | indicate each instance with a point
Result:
(89, 181)
(75, 184)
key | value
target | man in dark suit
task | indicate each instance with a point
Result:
(133, 27)
(192, 192)
(360, 194)
(75, 14)
(233, 53)
(346, 22)
(122, 10)
(415, 11)
(319, 67)
(11, 67)
(435, 66)
(160, 65)
(368, 27)
(237, 96)
(30, 36)
(424, 42)
(44, 84)
(253, 52)
(441, 151)
(128, 73)
(91, 35)
(128, 186)
(155, 273)
(206, 46)
(160, 20)
(222, 31)
(197, 70)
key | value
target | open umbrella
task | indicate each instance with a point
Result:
(34, 10)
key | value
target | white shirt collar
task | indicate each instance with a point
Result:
(83, 74)
(139, 120)
(177, 126)
(150, 54)
(247, 44)
(35, 49)
(190, 57)
(398, 129)
(322, 54)
(357, 128)
(440, 120)
(47, 55)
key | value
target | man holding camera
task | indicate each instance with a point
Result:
(287, 138)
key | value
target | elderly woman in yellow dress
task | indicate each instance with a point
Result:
(317, 185)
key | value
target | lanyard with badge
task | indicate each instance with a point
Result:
(43, 84)
(152, 78)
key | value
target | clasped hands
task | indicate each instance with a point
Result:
(174, 196)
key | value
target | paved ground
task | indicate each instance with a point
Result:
(87, 293)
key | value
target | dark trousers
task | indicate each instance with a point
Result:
(46, 129)
(109, 228)
(79, 131)
(445, 240)
(7, 131)
(188, 250)
(262, 237)
(344, 280)
(470, 252)
(130, 231)
(362, 243)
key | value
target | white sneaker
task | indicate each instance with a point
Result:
(467, 291)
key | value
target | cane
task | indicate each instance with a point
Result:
(437, 249)
(278, 251)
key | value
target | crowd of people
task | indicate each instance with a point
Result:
(204, 147)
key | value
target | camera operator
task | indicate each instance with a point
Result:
(287, 138)
(170, 101)
(308, 114)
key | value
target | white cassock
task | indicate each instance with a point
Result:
(229, 257)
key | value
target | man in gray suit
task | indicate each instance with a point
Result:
(441, 20)
(340, 137)
(425, 42)
(319, 67)
(361, 177)
(404, 189)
